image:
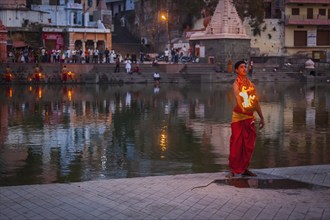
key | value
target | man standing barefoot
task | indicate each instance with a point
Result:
(243, 135)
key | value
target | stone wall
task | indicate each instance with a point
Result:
(270, 40)
(223, 50)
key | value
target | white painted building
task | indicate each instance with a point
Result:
(70, 14)
(117, 6)
(23, 17)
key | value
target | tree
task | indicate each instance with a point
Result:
(187, 10)
(252, 9)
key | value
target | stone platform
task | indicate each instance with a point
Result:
(192, 196)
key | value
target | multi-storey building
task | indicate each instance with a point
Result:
(58, 24)
(307, 28)
(118, 6)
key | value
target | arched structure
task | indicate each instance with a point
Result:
(86, 36)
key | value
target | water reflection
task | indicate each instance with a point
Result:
(77, 133)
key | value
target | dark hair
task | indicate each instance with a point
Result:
(238, 63)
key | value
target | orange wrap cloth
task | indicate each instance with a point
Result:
(242, 143)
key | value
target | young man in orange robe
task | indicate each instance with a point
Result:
(243, 135)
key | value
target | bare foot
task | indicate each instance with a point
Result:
(230, 175)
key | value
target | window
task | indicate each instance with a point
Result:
(309, 13)
(90, 3)
(75, 18)
(323, 38)
(278, 13)
(53, 2)
(295, 11)
(300, 38)
(322, 11)
(268, 10)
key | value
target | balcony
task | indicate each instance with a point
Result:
(303, 20)
(308, 1)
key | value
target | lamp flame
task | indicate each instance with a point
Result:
(247, 99)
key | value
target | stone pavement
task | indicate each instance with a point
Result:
(192, 196)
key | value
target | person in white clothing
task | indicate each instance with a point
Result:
(74, 56)
(128, 66)
(156, 77)
(112, 56)
(166, 53)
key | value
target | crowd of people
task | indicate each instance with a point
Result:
(42, 55)
(90, 55)
(174, 55)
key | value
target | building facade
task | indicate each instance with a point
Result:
(307, 28)
(118, 6)
(60, 24)
(3, 42)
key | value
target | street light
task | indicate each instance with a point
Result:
(164, 17)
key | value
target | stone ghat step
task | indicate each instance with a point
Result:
(103, 73)
(111, 68)
(124, 78)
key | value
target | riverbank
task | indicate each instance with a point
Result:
(276, 193)
(170, 73)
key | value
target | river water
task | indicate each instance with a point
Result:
(75, 133)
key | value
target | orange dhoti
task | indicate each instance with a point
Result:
(242, 142)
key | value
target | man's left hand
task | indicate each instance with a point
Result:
(261, 123)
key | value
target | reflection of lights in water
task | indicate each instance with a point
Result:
(167, 108)
(39, 93)
(109, 118)
(163, 141)
(156, 89)
(70, 94)
(104, 162)
(10, 92)
(30, 88)
(128, 99)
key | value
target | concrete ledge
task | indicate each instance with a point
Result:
(171, 68)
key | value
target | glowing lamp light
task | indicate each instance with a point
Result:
(247, 99)
(163, 17)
